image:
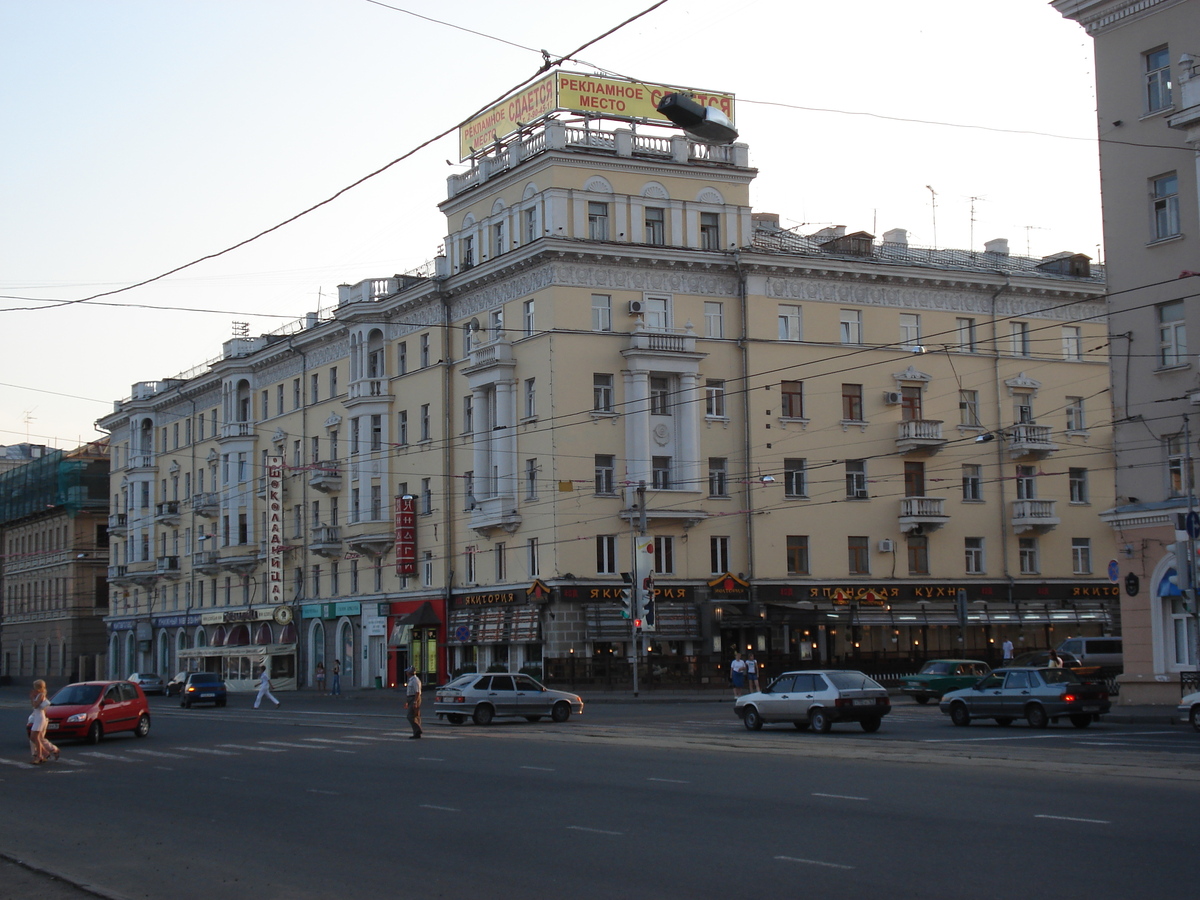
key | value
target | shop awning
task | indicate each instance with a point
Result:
(259, 650)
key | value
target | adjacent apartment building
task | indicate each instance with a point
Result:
(831, 448)
(1148, 94)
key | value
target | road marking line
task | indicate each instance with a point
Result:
(208, 750)
(70, 762)
(431, 758)
(1073, 819)
(288, 744)
(1015, 737)
(249, 747)
(813, 862)
(593, 830)
(98, 755)
(442, 808)
(331, 793)
(15, 764)
(159, 754)
(537, 768)
(841, 797)
(669, 780)
(331, 741)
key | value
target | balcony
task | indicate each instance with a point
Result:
(373, 544)
(924, 435)
(240, 559)
(368, 389)
(326, 541)
(1027, 439)
(167, 567)
(207, 562)
(326, 477)
(207, 505)
(672, 341)
(118, 574)
(920, 514)
(141, 461)
(238, 430)
(1033, 515)
(491, 513)
(167, 513)
(143, 574)
(118, 523)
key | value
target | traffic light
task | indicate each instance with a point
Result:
(626, 603)
(637, 623)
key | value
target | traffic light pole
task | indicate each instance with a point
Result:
(635, 594)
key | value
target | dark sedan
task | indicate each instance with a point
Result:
(1040, 696)
(203, 687)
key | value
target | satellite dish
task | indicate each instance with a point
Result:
(473, 325)
(705, 123)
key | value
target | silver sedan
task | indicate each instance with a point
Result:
(484, 697)
(149, 682)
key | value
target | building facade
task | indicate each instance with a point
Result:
(54, 535)
(827, 448)
(1148, 95)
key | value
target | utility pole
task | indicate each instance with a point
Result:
(1189, 571)
(933, 196)
(635, 603)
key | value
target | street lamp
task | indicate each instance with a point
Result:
(705, 123)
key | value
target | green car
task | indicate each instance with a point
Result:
(939, 676)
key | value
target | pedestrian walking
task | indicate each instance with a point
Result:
(320, 678)
(1007, 649)
(751, 673)
(1054, 661)
(335, 687)
(40, 749)
(264, 688)
(737, 674)
(412, 702)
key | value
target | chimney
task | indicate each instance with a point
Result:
(769, 221)
(999, 246)
(897, 237)
(834, 231)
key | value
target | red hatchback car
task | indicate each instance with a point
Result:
(93, 709)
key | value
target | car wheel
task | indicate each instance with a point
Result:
(870, 726)
(533, 718)
(1036, 716)
(751, 719)
(819, 721)
(95, 733)
(561, 711)
(456, 718)
(143, 726)
(959, 714)
(1194, 718)
(483, 714)
(921, 698)
(801, 725)
(1004, 721)
(1081, 720)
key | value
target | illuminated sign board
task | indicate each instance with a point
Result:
(274, 531)
(406, 535)
(583, 94)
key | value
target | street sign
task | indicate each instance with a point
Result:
(1114, 571)
(1191, 524)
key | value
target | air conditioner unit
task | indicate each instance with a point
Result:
(861, 494)
(636, 307)
(887, 545)
(893, 398)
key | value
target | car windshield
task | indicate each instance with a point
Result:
(853, 681)
(205, 678)
(77, 695)
(1059, 676)
(461, 681)
(935, 668)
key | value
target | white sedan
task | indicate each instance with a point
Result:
(1189, 709)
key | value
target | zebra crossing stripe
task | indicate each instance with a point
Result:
(98, 755)
(250, 747)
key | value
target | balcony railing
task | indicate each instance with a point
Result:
(1033, 515)
(326, 476)
(118, 522)
(326, 540)
(167, 565)
(367, 388)
(1027, 439)
(207, 504)
(922, 512)
(206, 561)
(167, 512)
(238, 430)
(920, 434)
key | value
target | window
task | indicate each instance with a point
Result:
(314, 387)
(427, 496)
(797, 554)
(859, 555)
(660, 467)
(531, 558)
(527, 317)
(718, 554)
(355, 505)
(1075, 418)
(1158, 80)
(496, 322)
(606, 554)
(425, 420)
(1023, 408)
(852, 405)
(910, 331)
(401, 427)
(333, 383)
(468, 414)
(717, 477)
(531, 479)
(1172, 336)
(1026, 483)
(656, 226)
(468, 252)
(851, 326)
(468, 490)
(1081, 556)
(1072, 343)
(295, 393)
(1077, 480)
(714, 398)
(972, 482)
(710, 231)
(660, 395)
(597, 221)
(376, 432)
(531, 225)
(910, 403)
(500, 551)
(658, 312)
(918, 554)
(914, 479)
(376, 503)
(602, 392)
(790, 326)
(530, 398)
(402, 358)
(497, 239)
(664, 555)
(469, 553)
(601, 312)
(795, 478)
(1019, 334)
(424, 350)
(973, 548)
(856, 479)
(427, 568)
(1165, 194)
(714, 319)
(968, 409)
(965, 329)
(605, 473)
(791, 399)
(1027, 552)
(1179, 474)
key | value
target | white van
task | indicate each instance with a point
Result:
(1095, 651)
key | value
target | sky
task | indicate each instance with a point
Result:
(142, 135)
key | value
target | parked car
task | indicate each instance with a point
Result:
(484, 697)
(816, 699)
(1038, 695)
(175, 685)
(203, 687)
(148, 682)
(941, 675)
(1041, 658)
(1189, 709)
(93, 709)
(1096, 651)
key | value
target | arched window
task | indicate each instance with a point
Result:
(375, 359)
(346, 651)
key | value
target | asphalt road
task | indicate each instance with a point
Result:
(632, 800)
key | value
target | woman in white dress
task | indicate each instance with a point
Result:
(40, 749)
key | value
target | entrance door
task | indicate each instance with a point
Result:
(424, 653)
(377, 658)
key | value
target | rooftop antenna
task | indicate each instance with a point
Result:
(973, 200)
(1028, 229)
(27, 416)
(933, 201)
(241, 329)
